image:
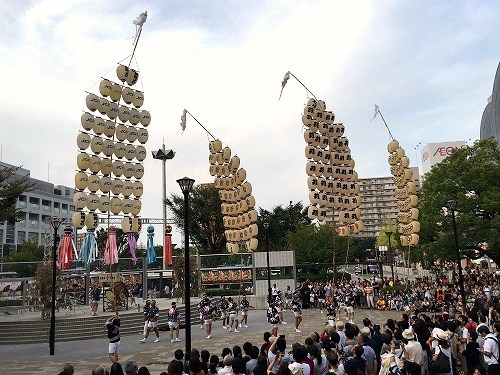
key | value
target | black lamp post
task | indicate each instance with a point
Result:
(186, 184)
(452, 206)
(55, 223)
(389, 234)
(266, 227)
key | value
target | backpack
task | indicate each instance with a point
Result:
(441, 365)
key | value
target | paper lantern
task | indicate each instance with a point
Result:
(312, 182)
(311, 168)
(80, 200)
(138, 99)
(94, 164)
(407, 174)
(212, 170)
(307, 119)
(405, 161)
(104, 203)
(328, 117)
(78, 219)
(411, 187)
(253, 230)
(132, 78)
(401, 193)
(226, 154)
(310, 152)
(136, 207)
(83, 141)
(145, 118)
(325, 159)
(324, 129)
(105, 184)
(321, 214)
(128, 188)
(225, 170)
(103, 106)
(116, 93)
(413, 239)
(128, 95)
(91, 220)
(397, 170)
(250, 200)
(414, 213)
(139, 171)
(105, 87)
(81, 180)
(136, 224)
(252, 244)
(118, 168)
(126, 206)
(318, 154)
(87, 121)
(96, 145)
(241, 176)
(131, 134)
(320, 169)
(123, 113)
(129, 170)
(246, 189)
(324, 142)
(357, 226)
(92, 202)
(135, 116)
(120, 150)
(252, 215)
(399, 153)
(121, 132)
(404, 240)
(115, 206)
(92, 102)
(122, 72)
(117, 186)
(126, 224)
(310, 137)
(318, 114)
(109, 128)
(337, 129)
(108, 147)
(142, 135)
(393, 159)
(93, 183)
(312, 212)
(112, 112)
(412, 201)
(392, 146)
(129, 152)
(140, 153)
(343, 231)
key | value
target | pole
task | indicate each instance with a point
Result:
(266, 227)
(187, 286)
(53, 316)
(389, 234)
(164, 176)
(460, 275)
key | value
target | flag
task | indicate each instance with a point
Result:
(283, 83)
(183, 119)
(375, 112)
(141, 19)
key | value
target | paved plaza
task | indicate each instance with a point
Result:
(87, 354)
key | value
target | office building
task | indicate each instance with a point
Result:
(43, 202)
(490, 122)
(434, 153)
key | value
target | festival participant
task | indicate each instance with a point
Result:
(173, 322)
(278, 303)
(330, 313)
(113, 328)
(223, 312)
(297, 312)
(207, 312)
(145, 311)
(233, 314)
(273, 318)
(288, 298)
(244, 307)
(153, 315)
(95, 296)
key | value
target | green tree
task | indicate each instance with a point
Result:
(178, 274)
(206, 228)
(24, 260)
(282, 221)
(11, 187)
(471, 176)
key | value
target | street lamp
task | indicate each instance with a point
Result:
(164, 155)
(55, 223)
(389, 234)
(266, 227)
(452, 206)
(186, 184)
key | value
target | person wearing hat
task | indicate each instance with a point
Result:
(340, 330)
(153, 315)
(173, 322)
(441, 337)
(413, 353)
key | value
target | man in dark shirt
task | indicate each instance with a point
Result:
(357, 364)
(265, 346)
(113, 327)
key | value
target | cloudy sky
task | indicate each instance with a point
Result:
(428, 65)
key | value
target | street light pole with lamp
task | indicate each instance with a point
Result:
(55, 223)
(452, 206)
(266, 227)
(186, 185)
(389, 234)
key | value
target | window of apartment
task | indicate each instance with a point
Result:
(57, 205)
(46, 205)
(71, 207)
(34, 202)
(20, 237)
(33, 237)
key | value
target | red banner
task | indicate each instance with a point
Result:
(167, 249)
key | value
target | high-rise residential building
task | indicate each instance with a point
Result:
(378, 203)
(434, 153)
(46, 200)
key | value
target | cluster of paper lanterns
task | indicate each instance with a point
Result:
(111, 152)
(332, 179)
(238, 203)
(409, 225)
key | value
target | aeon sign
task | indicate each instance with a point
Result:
(446, 151)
